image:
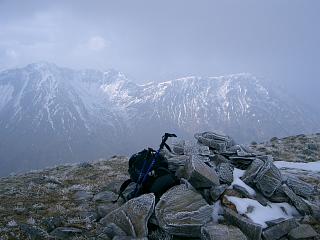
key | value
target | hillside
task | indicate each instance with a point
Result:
(76, 196)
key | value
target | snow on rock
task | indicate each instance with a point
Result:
(261, 214)
(237, 174)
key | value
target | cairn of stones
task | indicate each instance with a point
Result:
(201, 206)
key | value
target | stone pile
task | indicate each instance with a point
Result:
(217, 177)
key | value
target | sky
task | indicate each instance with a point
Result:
(160, 40)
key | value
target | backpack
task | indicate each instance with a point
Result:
(148, 169)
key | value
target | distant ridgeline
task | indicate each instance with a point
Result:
(51, 115)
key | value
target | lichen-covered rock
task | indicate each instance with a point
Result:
(297, 201)
(65, 232)
(300, 188)
(182, 211)
(304, 231)
(177, 161)
(131, 218)
(279, 230)
(221, 232)
(264, 175)
(199, 174)
(106, 208)
(250, 229)
(216, 191)
(252, 171)
(214, 140)
(225, 172)
(191, 148)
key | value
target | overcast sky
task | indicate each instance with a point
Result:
(159, 40)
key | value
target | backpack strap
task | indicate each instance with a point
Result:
(123, 187)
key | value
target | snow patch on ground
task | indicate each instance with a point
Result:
(261, 214)
(237, 174)
(310, 166)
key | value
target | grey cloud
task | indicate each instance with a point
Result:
(158, 40)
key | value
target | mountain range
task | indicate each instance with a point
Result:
(52, 115)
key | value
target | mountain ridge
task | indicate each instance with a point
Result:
(79, 115)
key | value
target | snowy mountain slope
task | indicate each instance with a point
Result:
(51, 115)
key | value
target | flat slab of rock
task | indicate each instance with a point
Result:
(199, 174)
(250, 229)
(304, 231)
(221, 232)
(177, 161)
(182, 211)
(300, 188)
(279, 230)
(65, 232)
(131, 218)
(297, 201)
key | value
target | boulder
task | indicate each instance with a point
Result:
(177, 161)
(199, 174)
(178, 147)
(264, 175)
(225, 172)
(65, 232)
(300, 188)
(297, 201)
(214, 140)
(304, 231)
(280, 229)
(216, 191)
(196, 149)
(221, 232)
(250, 229)
(106, 208)
(182, 211)
(131, 218)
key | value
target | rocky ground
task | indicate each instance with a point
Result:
(74, 201)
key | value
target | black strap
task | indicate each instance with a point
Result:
(123, 187)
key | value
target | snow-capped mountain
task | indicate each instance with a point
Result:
(51, 115)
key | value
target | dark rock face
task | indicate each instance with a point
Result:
(304, 231)
(221, 232)
(225, 172)
(297, 201)
(280, 229)
(252, 230)
(300, 188)
(182, 211)
(199, 174)
(264, 175)
(131, 218)
(65, 232)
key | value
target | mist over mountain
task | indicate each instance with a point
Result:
(51, 115)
